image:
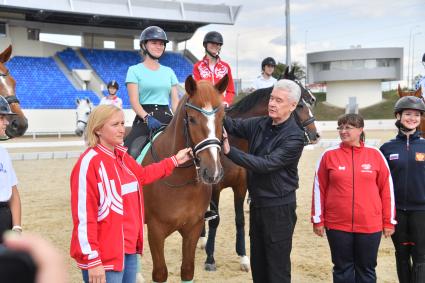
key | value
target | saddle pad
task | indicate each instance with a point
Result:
(146, 148)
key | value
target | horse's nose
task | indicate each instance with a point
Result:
(211, 177)
(79, 132)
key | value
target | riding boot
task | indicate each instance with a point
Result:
(404, 269)
(418, 274)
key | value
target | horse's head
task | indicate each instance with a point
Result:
(417, 93)
(84, 108)
(204, 126)
(305, 119)
(306, 94)
(18, 124)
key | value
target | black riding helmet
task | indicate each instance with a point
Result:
(152, 33)
(113, 83)
(4, 107)
(409, 102)
(213, 37)
(268, 61)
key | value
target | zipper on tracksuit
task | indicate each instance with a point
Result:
(407, 169)
(352, 207)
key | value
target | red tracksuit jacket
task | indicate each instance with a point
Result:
(353, 190)
(202, 71)
(107, 205)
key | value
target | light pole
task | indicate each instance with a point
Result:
(237, 64)
(306, 65)
(413, 56)
(288, 35)
(409, 60)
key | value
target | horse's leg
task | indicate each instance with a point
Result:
(212, 231)
(190, 237)
(202, 242)
(156, 237)
(239, 193)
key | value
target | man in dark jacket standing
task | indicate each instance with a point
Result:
(275, 146)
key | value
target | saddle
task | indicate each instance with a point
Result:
(148, 142)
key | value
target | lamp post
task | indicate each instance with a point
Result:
(413, 56)
(237, 64)
(288, 35)
(409, 60)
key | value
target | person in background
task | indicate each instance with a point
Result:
(112, 97)
(421, 82)
(151, 87)
(275, 146)
(265, 79)
(406, 157)
(107, 200)
(10, 201)
(353, 201)
(212, 68)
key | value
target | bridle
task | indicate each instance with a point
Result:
(82, 121)
(303, 124)
(196, 148)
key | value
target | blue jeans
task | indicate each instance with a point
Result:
(128, 275)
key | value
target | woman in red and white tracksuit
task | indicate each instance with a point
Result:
(107, 200)
(212, 68)
(353, 200)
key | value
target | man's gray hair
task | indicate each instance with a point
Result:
(291, 87)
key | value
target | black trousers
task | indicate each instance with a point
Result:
(139, 130)
(270, 231)
(5, 219)
(409, 244)
(354, 256)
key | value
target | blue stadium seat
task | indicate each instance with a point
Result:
(42, 85)
(70, 59)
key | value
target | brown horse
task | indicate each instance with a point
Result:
(417, 93)
(255, 104)
(178, 202)
(18, 124)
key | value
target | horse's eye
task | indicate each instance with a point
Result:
(87, 113)
(192, 120)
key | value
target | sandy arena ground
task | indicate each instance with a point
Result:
(44, 187)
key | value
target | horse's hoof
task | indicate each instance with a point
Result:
(245, 264)
(210, 267)
(202, 242)
(139, 278)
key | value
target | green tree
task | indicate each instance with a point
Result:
(299, 70)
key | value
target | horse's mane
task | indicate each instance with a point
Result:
(257, 97)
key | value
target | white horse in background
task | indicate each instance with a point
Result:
(84, 108)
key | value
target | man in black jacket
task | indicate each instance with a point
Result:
(275, 146)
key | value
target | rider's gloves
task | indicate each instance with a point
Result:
(153, 123)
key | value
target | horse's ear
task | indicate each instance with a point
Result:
(190, 85)
(88, 100)
(77, 101)
(221, 86)
(292, 73)
(5, 55)
(285, 74)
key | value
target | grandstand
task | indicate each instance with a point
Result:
(51, 76)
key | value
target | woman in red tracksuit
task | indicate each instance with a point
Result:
(353, 200)
(212, 68)
(107, 200)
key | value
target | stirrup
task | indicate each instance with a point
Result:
(210, 215)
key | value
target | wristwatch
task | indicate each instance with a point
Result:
(145, 118)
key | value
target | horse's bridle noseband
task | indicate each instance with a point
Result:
(303, 125)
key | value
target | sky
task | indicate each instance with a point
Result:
(319, 25)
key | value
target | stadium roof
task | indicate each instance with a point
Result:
(173, 16)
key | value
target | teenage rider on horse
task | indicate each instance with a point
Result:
(421, 82)
(150, 87)
(212, 68)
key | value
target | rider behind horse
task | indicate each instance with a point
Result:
(150, 86)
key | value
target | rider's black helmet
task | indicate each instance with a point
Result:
(113, 83)
(214, 37)
(409, 102)
(153, 33)
(4, 107)
(268, 61)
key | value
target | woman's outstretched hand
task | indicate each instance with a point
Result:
(184, 155)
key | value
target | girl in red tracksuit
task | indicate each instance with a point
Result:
(353, 200)
(107, 200)
(212, 68)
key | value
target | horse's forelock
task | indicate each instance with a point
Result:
(205, 95)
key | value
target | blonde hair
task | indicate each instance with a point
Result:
(97, 119)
